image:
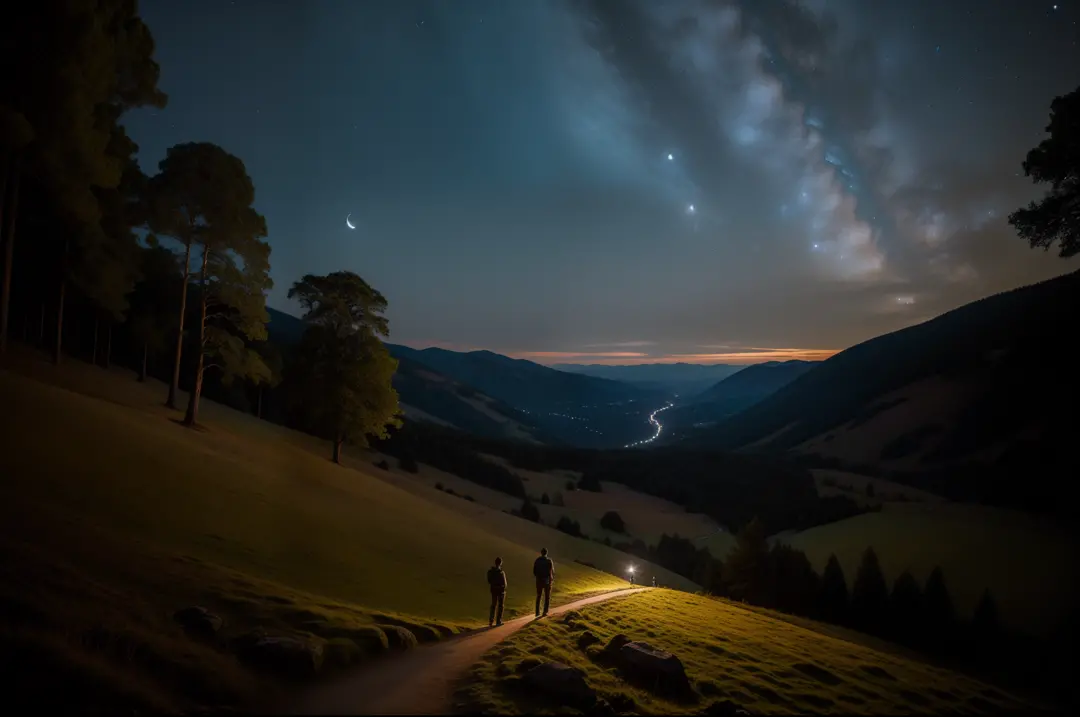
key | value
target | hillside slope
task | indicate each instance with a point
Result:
(427, 395)
(682, 378)
(735, 393)
(963, 403)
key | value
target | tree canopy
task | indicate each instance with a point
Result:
(1055, 219)
(342, 372)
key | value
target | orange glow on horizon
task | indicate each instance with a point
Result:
(627, 358)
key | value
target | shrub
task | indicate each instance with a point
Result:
(545, 500)
(613, 521)
(570, 527)
(408, 464)
(529, 511)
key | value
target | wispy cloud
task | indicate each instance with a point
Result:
(559, 356)
(622, 345)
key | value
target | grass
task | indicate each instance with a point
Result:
(1028, 563)
(115, 517)
(762, 664)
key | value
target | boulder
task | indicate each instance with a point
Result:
(586, 639)
(560, 681)
(198, 621)
(725, 708)
(657, 669)
(288, 655)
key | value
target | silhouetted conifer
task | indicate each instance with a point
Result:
(940, 616)
(530, 511)
(793, 584)
(869, 594)
(905, 609)
(833, 597)
(747, 565)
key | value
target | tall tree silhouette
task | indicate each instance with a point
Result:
(869, 594)
(86, 63)
(746, 568)
(342, 372)
(233, 278)
(793, 583)
(905, 609)
(200, 190)
(1056, 161)
(153, 316)
(833, 602)
(940, 616)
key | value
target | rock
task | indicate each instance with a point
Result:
(198, 621)
(398, 637)
(561, 681)
(615, 644)
(294, 656)
(656, 668)
(725, 708)
(587, 638)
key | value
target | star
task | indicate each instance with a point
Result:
(670, 157)
(690, 209)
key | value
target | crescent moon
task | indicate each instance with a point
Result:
(348, 223)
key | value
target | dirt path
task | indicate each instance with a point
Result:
(419, 681)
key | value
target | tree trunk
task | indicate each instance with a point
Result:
(196, 391)
(258, 404)
(142, 366)
(338, 441)
(108, 345)
(8, 209)
(93, 351)
(174, 386)
(60, 322)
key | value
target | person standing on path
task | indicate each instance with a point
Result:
(544, 572)
(497, 582)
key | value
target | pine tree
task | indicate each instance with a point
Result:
(833, 601)
(906, 609)
(747, 565)
(869, 594)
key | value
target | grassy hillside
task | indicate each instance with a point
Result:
(115, 516)
(1030, 565)
(761, 663)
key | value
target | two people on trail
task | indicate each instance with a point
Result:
(543, 571)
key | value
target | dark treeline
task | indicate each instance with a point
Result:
(920, 616)
(730, 488)
(167, 273)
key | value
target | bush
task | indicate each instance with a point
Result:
(590, 483)
(408, 464)
(545, 500)
(529, 511)
(571, 486)
(439, 486)
(558, 501)
(570, 527)
(383, 464)
(613, 521)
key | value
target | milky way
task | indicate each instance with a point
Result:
(570, 180)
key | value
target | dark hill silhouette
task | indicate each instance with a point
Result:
(734, 394)
(685, 379)
(427, 395)
(962, 404)
(523, 384)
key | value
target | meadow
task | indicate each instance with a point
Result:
(762, 664)
(115, 517)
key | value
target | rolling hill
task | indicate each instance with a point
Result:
(735, 393)
(427, 395)
(963, 405)
(683, 378)
(574, 409)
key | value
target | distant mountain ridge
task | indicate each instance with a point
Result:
(426, 395)
(969, 403)
(681, 378)
(735, 393)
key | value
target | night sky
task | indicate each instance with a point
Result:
(630, 180)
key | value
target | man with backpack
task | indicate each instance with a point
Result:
(544, 572)
(497, 582)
